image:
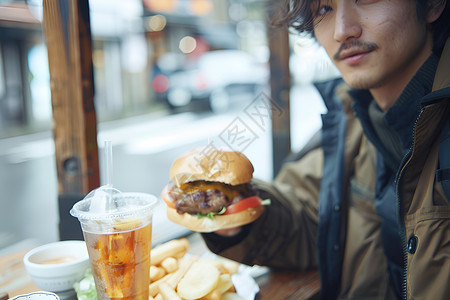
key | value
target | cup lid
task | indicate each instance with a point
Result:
(106, 203)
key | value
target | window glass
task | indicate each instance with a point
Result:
(148, 56)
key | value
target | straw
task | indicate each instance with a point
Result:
(109, 164)
(109, 176)
(102, 199)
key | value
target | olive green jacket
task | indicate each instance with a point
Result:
(285, 235)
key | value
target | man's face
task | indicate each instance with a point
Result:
(373, 43)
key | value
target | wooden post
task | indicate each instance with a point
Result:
(68, 38)
(280, 82)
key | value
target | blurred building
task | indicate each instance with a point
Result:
(131, 41)
(20, 33)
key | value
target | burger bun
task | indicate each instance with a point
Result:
(230, 167)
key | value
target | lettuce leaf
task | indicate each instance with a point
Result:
(85, 288)
(211, 215)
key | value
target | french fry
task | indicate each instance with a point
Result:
(170, 264)
(167, 292)
(231, 265)
(168, 249)
(154, 286)
(232, 296)
(214, 295)
(224, 284)
(157, 273)
(199, 280)
(232, 290)
(153, 289)
(185, 263)
(180, 254)
(225, 265)
(179, 277)
(173, 278)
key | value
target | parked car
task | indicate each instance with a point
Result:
(216, 80)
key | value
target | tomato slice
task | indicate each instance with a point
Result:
(165, 195)
(169, 203)
(250, 202)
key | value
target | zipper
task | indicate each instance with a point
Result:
(401, 213)
(402, 228)
(405, 161)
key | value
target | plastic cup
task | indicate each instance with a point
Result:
(117, 228)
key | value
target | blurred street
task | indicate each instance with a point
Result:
(144, 148)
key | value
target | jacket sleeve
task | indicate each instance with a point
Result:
(285, 235)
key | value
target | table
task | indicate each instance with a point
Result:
(14, 280)
(282, 284)
(273, 284)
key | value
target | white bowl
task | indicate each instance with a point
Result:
(55, 267)
(36, 296)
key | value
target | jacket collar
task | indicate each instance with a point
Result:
(402, 115)
(441, 85)
(442, 78)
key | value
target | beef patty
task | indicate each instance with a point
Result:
(204, 197)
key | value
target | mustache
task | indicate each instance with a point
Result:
(356, 44)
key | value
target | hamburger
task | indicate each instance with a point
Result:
(212, 191)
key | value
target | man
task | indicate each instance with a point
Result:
(377, 223)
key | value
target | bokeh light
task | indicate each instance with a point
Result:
(156, 23)
(160, 5)
(160, 83)
(237, 12)
(187, 44)
(201, 7)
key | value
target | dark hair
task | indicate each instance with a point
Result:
(298, 15)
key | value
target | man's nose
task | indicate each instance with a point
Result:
(347, 22)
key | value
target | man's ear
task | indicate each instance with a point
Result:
(435, 9)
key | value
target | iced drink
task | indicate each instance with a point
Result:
(118, 240)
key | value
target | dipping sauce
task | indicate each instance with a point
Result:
(58, 260)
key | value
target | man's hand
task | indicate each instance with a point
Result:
(229, 232)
